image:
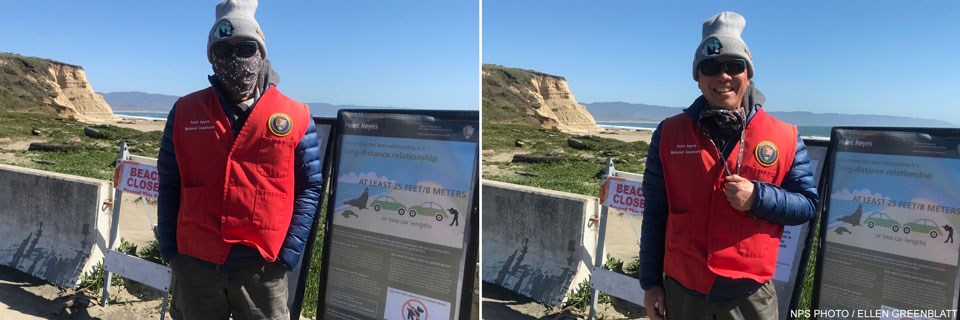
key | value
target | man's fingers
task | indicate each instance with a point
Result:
(734, 178)
(653, 300)
(730, 189)
(653, 313)
(662, 306)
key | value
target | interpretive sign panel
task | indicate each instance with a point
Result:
(400, 219)
(888, 226)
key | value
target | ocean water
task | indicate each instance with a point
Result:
(142, 115)
(806, 131)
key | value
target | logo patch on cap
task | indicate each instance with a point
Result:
(711, 47)
(224, 29)
(280, 124)
(767, 153)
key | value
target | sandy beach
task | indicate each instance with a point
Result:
(140, 124)
(627, 135)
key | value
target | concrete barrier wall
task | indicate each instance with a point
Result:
(51, 224)
(536, 242)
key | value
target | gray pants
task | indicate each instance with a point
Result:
(761, 305)
(199, 292)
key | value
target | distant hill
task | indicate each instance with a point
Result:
(139, 101)
(152, 102)
(637, 112)
(632, 112)
(320, 109)
(803, 118)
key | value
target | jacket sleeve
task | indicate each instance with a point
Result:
(654, 228)
(308, 180)
(795, 200)
(168, 198)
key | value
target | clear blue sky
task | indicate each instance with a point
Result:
(858, 57)
(411, 54)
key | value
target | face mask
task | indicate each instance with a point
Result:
(723, 118)
(237, 75)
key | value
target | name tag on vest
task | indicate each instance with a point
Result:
(199, 125)
(685, 149)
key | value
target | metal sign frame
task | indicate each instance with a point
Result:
(302, 270)
(808, 241)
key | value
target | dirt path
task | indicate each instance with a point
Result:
(25, 297)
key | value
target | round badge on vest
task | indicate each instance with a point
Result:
(280, 124)
(767, 153)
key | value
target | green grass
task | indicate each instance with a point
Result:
(806, 292)
(579, 172)
(311, 291)
(95, 158)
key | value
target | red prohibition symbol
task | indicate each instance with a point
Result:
(413, 309)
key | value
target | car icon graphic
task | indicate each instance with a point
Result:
(923, 226)
(387, 203)
(882, 220)
(429, 209)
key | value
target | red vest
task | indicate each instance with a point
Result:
(706, 237)
(235, 189)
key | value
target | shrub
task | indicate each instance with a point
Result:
(151, 252)
(127, 248)
(93, 279)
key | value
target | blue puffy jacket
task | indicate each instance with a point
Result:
(307, 183)
(794, 202)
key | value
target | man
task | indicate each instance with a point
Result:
(456, 217)
(239, 181)
(949, 233)
(721, 180)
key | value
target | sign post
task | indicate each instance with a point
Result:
(135, 175)
(620, 190)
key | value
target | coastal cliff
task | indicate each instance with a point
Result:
(31, 84)
(512, 95)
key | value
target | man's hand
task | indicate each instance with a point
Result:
(655, 301)
(739, 192)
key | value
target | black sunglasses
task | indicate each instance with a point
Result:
(244, 49)
(713, 67)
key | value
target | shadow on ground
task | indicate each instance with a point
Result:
(27, 296)
(501, 303)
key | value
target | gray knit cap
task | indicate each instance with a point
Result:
(721, 38)
(235, 20)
